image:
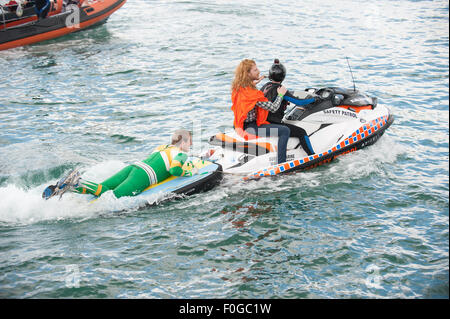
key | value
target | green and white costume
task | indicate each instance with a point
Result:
(166, 160)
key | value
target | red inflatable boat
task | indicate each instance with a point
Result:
(64, 17)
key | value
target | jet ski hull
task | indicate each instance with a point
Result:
(366, 135)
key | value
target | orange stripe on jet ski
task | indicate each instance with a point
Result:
(356, 108)
(227, 139)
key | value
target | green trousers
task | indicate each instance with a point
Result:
(134, 179)
(130, 181)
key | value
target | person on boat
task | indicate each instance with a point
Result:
(165, 161)
(42, 8)
(251, 107)
(76, 2)
(277, 73)
(15, 6)
(9, 5)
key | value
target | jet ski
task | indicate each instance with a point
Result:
(64, 17)
(340, 121)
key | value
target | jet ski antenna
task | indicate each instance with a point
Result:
(354, 86)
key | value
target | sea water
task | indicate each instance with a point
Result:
(372, 224)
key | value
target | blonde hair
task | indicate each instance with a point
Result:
(241, 77)
(180, 135)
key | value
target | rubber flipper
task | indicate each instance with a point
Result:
(68, 182)
(49, 192)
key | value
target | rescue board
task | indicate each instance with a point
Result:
(209, 175)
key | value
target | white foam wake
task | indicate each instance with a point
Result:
(26, 206)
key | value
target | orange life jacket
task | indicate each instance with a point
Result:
(244, 101)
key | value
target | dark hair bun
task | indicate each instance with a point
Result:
(276, 61)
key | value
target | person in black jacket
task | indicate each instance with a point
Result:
(277, 73)
(42, 8)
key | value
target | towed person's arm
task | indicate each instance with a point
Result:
(176, 167)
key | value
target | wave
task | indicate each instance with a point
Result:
(21, 205)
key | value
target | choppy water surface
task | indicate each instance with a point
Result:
(373, 224)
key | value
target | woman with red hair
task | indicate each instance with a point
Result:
(251, 107)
